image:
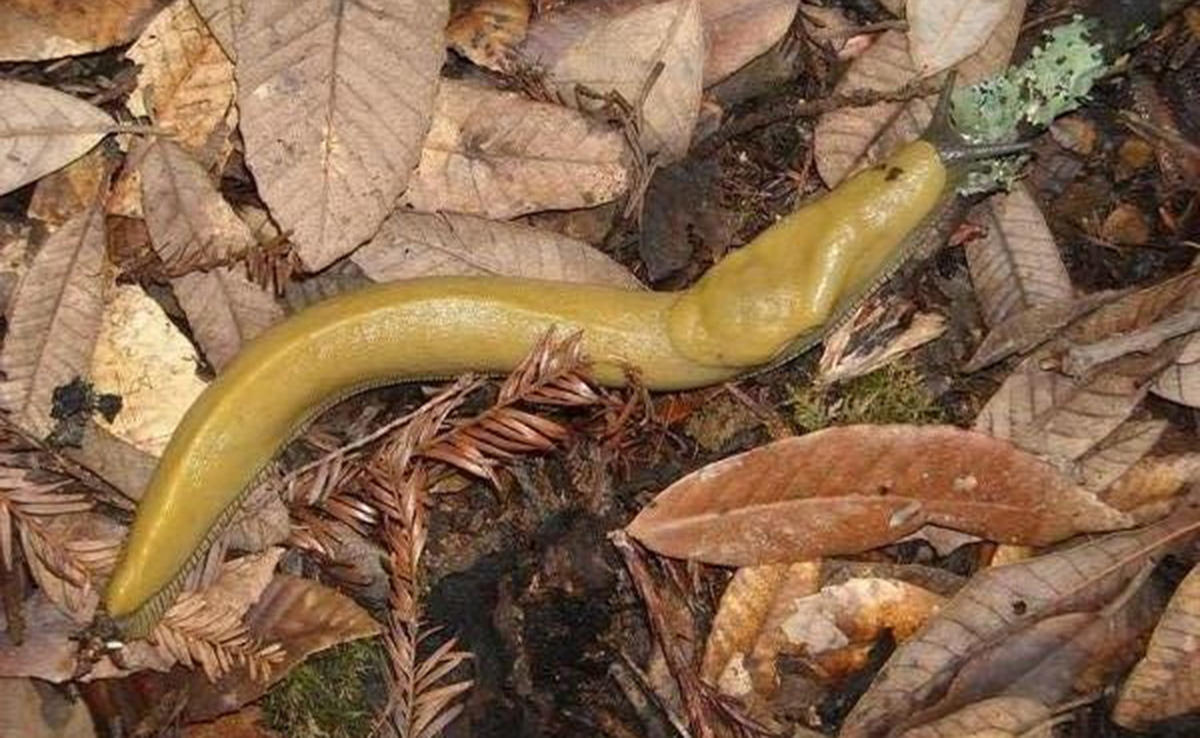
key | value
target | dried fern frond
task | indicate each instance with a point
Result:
(198, 631)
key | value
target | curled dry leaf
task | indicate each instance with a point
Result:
(846, 490)
(1016, 265)
(881, 330)
(335, 100)
(53, 321)
(224, 309)
(412, 245)
(186, 82)
(740, 30)
(142, 357)
(848, 139)
(190, 224)
(500, 154)
(33, 30)
(41, 129)
(487, 31)
(303, 617)
(1166, 682)
(1003, 601)
(941, 33)
(625, 46)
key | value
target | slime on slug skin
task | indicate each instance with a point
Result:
(761, 305)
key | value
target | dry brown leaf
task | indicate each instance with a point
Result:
(224, 309)
(849, 489)
(941, 33)
(114, 460)
(53, 321)
(61, 195)
(1016, 265)
(417, 245)
(1180, 382)
(848, 139)
(1166, 682)
(304, 617)
(190, 224)
(142, 356)
(46, 651)
(223, 18)
(335, 101)
(500, 154)
(1001, 601)
(1152, 483)
(186, 81)
(1060, 417)
(617, 45)
(487, 31)
(1113, 456)
(41, 129)
(739, 30)
(33, 709)
(262, 521)
(69, 555)
(997, 717)
(33, 30)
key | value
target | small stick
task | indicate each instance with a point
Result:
(1079, 360)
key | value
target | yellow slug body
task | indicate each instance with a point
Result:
(744, 313)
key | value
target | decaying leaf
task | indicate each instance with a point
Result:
(41, 129)
(303, 617)
(487, 31)
(1003, 601)
(880, 331)
(53, 321)
(62, 194)
(186, 81)
(1060, 417)
(1180, 382)
(223, 18)
(942, 33)
(847, 139)
(1166, 682)
(1147, 490)
(114, 460)
(739, 30)
(224, 309)
(638, 49)
(797, 499)
(997, 717)
(190, 224)
(418, 245)
(1114, 455)
(335, 100)
(33, 30)
(500, 154)
(142, 357)
(1016, 265)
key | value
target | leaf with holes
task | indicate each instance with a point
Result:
(42, 129)
(412, 245)
(54, 321)
(335, 100)
(849, 489)
(501, 154)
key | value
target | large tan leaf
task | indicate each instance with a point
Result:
(302, 616)
(417, 245)
(1166, 682)
(53, 321)
(41, 129)
(190, 224)
(997, 717)
(1016, 265)
(186, 81)
(144, 358)
(224, 310)
(1003, 600)
(500, 154)
(32, 30)
(941, 33)
(615, 45)
(739, 30)
(849, 489)
(850, 138)
(335, 100)
(1061, 417)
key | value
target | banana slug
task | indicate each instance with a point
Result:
(761, 305)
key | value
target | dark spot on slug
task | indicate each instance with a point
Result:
(893, 174)
(1019, 607)
(884, 490)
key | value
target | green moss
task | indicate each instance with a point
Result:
(330, 694)
(894, 394)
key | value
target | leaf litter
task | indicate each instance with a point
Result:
(263, 160)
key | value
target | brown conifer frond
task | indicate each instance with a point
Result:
(197, 631)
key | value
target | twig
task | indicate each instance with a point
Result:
(1079, 360)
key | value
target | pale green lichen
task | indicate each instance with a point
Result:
(1055, 79)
